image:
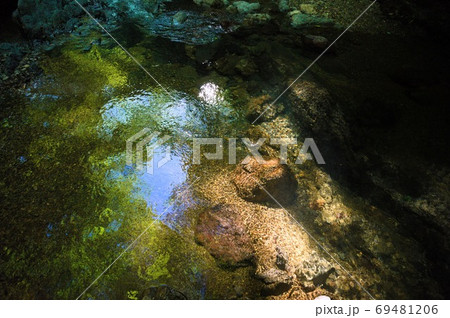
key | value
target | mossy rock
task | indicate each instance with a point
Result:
(299, 20)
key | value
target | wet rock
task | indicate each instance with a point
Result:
(283, 5)
(302, 20)
(314, 269)
(222, 232)
(317, 204)
(40, 19)
(244, 7)
(180, 17)
(316, 41)
(190, 51)
(227, 64)
(204, 53)
(246, 67)
(316, 111)
(209, 3)
(255, 19)
(258, 108)
(281, 259)
(274, 275)
(308, 9)
(252, 177)
(196, 29)
(321, 279)
(276, 281)
(316, 114)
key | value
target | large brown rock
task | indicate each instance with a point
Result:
(222, 232)
(259, 182)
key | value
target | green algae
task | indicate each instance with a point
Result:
(71, 175)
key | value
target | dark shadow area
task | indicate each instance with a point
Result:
(7, 8)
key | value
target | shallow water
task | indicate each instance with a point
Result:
(80, 204)
(73, 203)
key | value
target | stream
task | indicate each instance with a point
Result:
(73, 205)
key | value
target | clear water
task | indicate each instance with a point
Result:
(72, 204)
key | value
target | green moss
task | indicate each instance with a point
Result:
(92, 70)
(299, 20)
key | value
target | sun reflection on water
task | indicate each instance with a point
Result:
(211, 93)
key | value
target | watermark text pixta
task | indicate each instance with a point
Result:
(144, 145)
(253, 147)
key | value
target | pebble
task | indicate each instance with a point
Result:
(316, 41)
(322, 297)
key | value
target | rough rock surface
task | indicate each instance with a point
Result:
(301, 20)
(253, 179)
(285, 260)
(276, 281)
(244, 7)
(274, 275)
(222, 232)
(308, 9)
(209, 3)
(316, 41)
(180, 17)
(42, 18)
(316, 112)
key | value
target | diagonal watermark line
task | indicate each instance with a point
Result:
(131, 244)
(315, 240)
(314, 62)
(124, 49)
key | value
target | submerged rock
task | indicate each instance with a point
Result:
(256, 19)
(315, 41)
(321, 279)
(189, 27)
(259, 108)
(253, 179)
(162, 292)
(308, 9)
(281, 259)
(275, 276)
(314, 270)
(276, 281)
(318, 115)
(222, 232)
(246, 67)
(316, 111)
(227, 64)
